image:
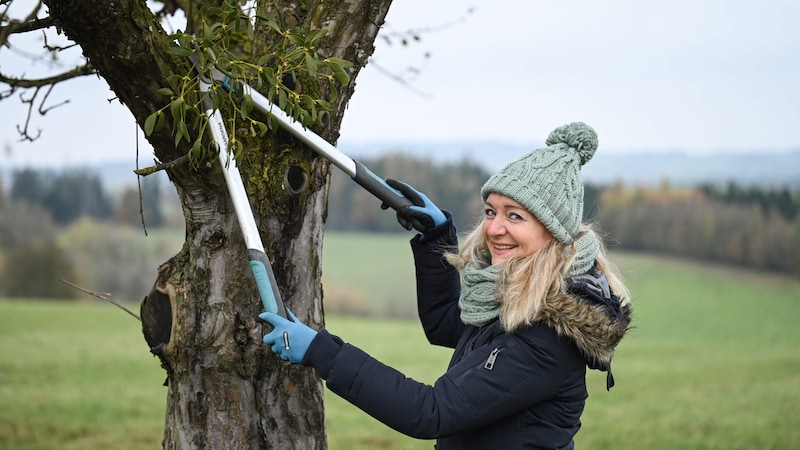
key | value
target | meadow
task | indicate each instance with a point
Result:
(712, 363)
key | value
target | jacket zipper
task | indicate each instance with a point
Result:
(492, 357)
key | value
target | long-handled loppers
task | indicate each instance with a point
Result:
(354, 169)
(259, 262)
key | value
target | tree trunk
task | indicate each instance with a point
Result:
(225, 388)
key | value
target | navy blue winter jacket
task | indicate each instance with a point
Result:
(524, 389)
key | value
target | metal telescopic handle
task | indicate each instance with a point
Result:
(354, 169)
(259, 262)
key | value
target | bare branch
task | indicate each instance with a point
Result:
(139, 184)
(399, 79)
(406, 38)
(105, 296)
(80, 71)
(29, 23)
(145, 171)
(37, 85)
(42, 109)
(416, 34)
(23, 131)
(57, 48)
(24, 27)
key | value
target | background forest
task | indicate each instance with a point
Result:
(69, 225)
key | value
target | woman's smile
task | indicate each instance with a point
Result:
(511, 230)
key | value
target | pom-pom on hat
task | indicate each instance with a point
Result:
(547, 181)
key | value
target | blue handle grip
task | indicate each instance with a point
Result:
(265, 281)
(378, 187)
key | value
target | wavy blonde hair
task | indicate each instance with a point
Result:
(527, 282)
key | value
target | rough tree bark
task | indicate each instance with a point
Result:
(225, 389)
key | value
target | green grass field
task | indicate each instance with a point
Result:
(713, 362)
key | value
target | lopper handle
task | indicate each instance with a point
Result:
(265, 281)
(356, 170)
(390, 196)
(259, 262)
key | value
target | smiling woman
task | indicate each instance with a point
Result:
(529, 302)
(510, 230)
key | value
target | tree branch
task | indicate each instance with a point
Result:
(145, 171)
(25, 26)
(80, 71)
(37, 85)
(105, 296)
(29, 23)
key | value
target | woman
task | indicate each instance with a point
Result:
(528, 302)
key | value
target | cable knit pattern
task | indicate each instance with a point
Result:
(478, 303)
(547, 181)
(587, 247)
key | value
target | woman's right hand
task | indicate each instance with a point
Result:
(423, 215)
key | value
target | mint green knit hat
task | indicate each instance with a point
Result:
(547, 181)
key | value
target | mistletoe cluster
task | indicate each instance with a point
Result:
(225, 45)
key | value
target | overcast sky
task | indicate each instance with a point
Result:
(690, 75)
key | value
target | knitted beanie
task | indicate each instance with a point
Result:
(547, 181)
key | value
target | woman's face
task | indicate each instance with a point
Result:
(510, 230)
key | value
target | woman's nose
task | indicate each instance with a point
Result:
(496, 227)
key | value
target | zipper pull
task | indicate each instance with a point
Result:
(492, 357)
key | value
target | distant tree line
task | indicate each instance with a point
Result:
(31, 258)
(50, 228)
(63, 224)
(71, 194)
(706, 223)
(751, 226)
(66, 195)
(778, 200)
(452, 186)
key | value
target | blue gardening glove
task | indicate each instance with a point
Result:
(423, 215)
(289, 339)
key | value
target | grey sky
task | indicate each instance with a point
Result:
(698, 76)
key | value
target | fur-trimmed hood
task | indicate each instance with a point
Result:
(592, 317)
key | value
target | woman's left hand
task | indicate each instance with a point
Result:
(290, 338)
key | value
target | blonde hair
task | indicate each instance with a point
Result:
(527, 282)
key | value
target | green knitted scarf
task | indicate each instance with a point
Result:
(478, 303)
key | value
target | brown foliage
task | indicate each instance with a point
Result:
(686, 222)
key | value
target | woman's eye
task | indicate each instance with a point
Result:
(514, 216)
(489, 212)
